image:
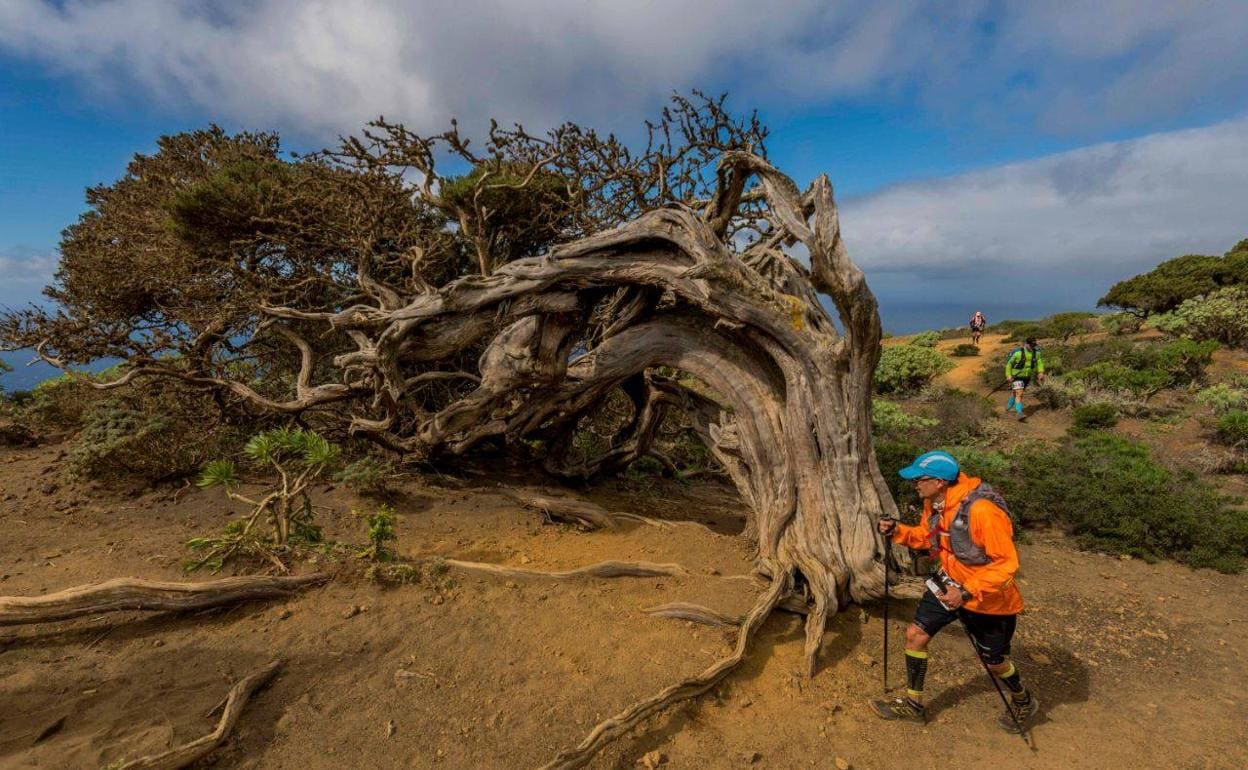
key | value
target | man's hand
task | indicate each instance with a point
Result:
(887, 525)
(951, 598)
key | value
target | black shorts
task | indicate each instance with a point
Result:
(990, 633)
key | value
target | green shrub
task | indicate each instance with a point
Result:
(158, 431)
(924, 339)
(1223, 397)
(370, 475)
(962, 416)
(889, 419)
(892, 455)
(987, 464)
(1233, 428)
(296, 458)
(1059, 326)
(904, 368)
(1145, 369)
(1097, 416)
(1121, 323)
(1221, 316)
(380, 524)
(1109, 493)
(62, 401)
(964, 350)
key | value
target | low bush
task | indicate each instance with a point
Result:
(988, 464)
(924, 339)
(1095, 416)
(1060, 326)
(1223, 397)
(62, 402)
(380, 529)
(294, 458)
(1109, 493)
(962, 417)
(1221, 316)
(369, 475)
(1232, 428)
(892, 455)
(906, 368)
(964, 350)
(1121, 323)
(1148, 368)
(161, 431)
(889, 419)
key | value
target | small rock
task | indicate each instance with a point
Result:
(752, 757)
(390, 728)
(158, 643)
(285, 613)
(437, 599)
(653, 759)
(1040, 658)
(746, 703)
(1125, 557)
(511, 584)
(351, 612)
(712, 571)
(524, 559)
(842, 763)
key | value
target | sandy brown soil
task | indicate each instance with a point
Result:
(1137, 665)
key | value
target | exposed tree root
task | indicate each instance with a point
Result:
(694, 613)
(697, 613)
(613, 727)
(188, 753)
(584, 514)
(603, 569)
(135, 594)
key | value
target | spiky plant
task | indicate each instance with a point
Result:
(297, 457)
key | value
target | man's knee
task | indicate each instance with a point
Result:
(916, 638)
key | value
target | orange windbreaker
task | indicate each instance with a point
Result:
(992, 587)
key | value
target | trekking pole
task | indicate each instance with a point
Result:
(1022, 732)
(886, 555)
(888, 552)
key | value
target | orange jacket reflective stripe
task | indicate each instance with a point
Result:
(992, 587)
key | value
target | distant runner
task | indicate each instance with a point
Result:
(978, 324)
(967, 528)
(1020, 367)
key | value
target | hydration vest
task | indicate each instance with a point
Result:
(960, 543)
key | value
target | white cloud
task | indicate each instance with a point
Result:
(1084, 218)
(323, 66)
(23, 273)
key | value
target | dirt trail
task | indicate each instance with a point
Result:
(1135, 663)
(1039, 422)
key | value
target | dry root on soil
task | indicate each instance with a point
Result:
(189, 753)
(135, 594)
(603, 569)
(584, 514)
(610, 729)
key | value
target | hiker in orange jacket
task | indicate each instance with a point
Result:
(966, 527)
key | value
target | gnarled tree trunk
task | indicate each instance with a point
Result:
(791, 422)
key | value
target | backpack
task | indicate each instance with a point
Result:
(1035, 354)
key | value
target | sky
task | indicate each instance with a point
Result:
(1014, 157)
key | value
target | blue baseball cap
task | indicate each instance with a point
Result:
(936, 465)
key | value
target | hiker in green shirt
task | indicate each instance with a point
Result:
(1020, 367)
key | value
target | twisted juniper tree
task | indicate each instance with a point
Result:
(433, 313)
